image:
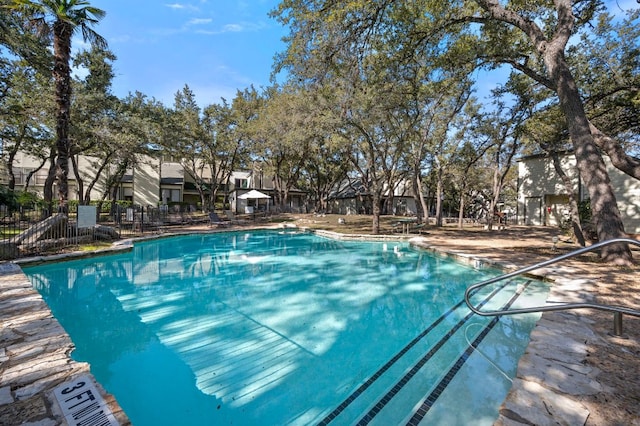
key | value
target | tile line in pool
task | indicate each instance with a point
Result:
(360, 390)
(435, 394)
(414, 370)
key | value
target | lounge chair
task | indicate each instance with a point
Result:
(233, 219)
(420, 228)
(214, 219)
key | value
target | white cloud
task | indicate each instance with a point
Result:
(182, 6)
(199, 21)
(121, 39)
(233, 28)
(78, 44)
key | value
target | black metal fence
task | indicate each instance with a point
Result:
(31, 231)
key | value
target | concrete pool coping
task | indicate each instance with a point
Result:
(35, 350)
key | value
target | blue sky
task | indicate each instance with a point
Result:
(214, 46)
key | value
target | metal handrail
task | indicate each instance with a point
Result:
(618, 310)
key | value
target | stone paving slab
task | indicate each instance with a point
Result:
(34, 356)
(553, 370)
(530, 403)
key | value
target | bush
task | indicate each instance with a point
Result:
(106, 205)
(584, 210)
(8, 198)
(28, 200)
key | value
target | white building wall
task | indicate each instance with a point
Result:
(87, 167)
(538, 176)
(146, 182)
(627, 190)
(542, 197)
(146, 185)
(27, 162)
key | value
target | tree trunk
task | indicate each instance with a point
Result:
(12, 152)
(388, 203)
(418, 197)
(285, 202)
(375, 198)
(425, 204)
(461, 210)
(62, 32)
(98, 173)
(79, 181)
(114, 198)
(619, 158)
(573, 204)
(439, 192)
(212, 198)
(491, 213)
(48, 183)
(589, 161)
(27, 180)
(498, 179)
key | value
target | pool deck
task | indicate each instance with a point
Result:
(552, 376)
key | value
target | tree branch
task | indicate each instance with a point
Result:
(530, 28)
(619, 158)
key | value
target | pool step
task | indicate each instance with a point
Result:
(423, 367)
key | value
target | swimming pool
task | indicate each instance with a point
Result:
(276, 328)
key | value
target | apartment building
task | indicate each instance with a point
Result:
(543, 199)
(152, 182)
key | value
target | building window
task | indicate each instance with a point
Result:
(242, 183)
(20, 175)
(41, 178)
(171, 196)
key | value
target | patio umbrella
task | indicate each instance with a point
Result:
(253, 195)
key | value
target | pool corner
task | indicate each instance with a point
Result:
(35, 357)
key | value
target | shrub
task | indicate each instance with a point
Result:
(8, 198)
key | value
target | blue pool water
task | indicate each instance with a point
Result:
(274, 328)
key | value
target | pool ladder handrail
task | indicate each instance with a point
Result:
(617, 310)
